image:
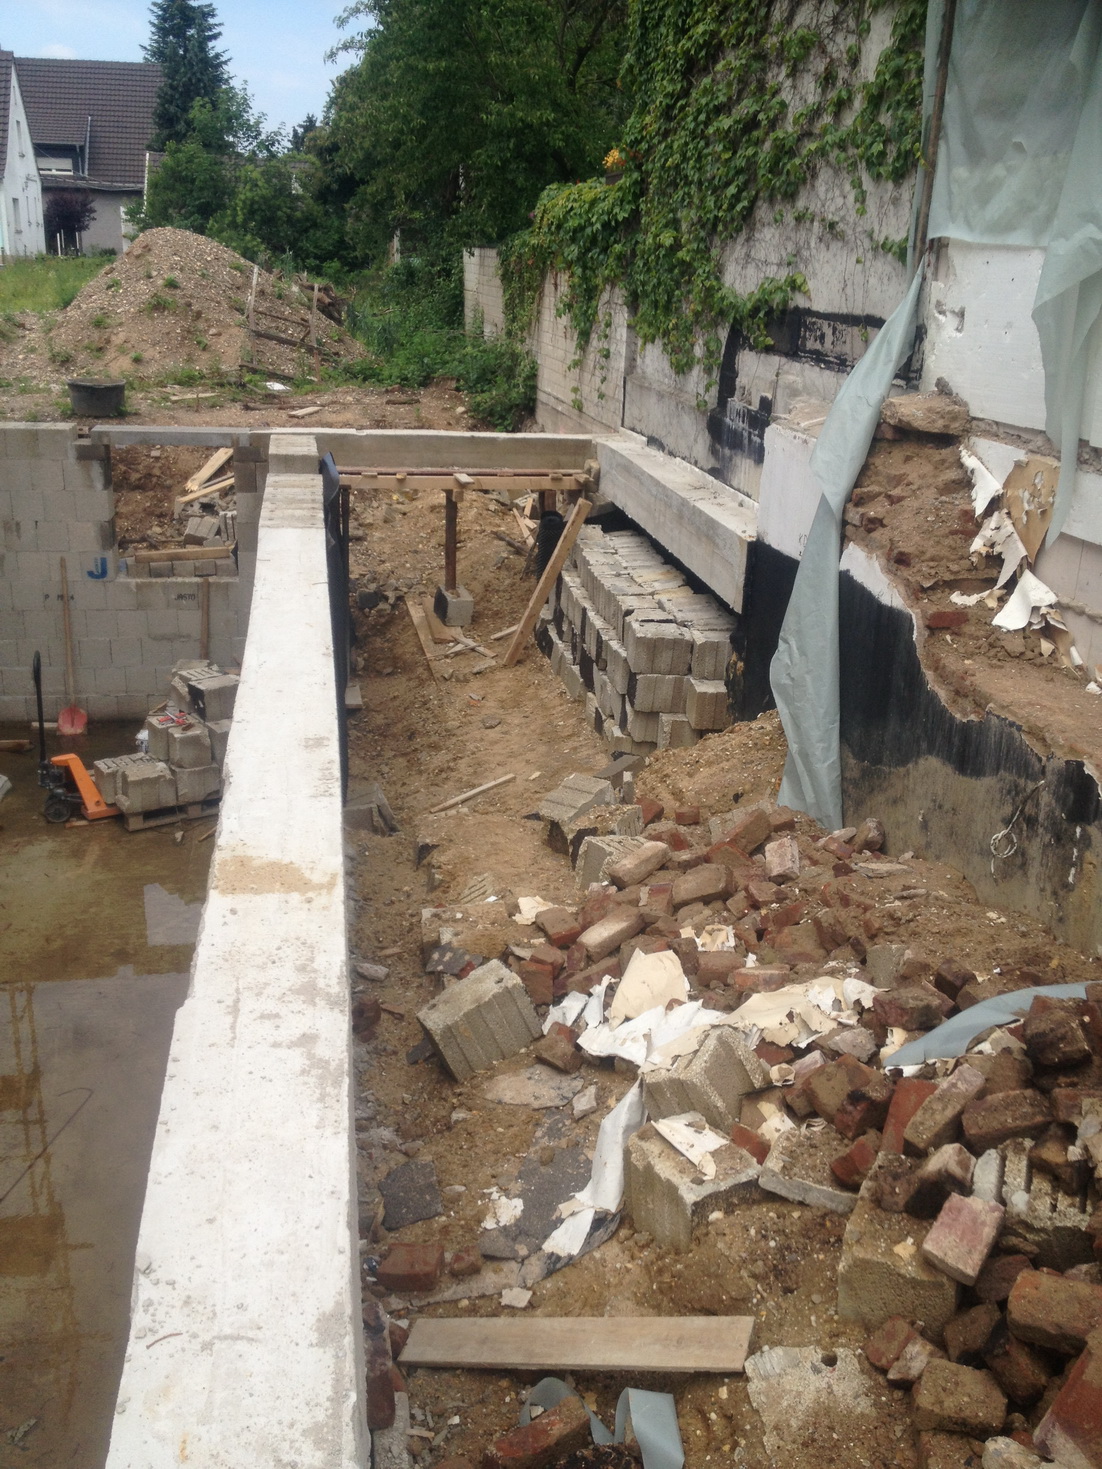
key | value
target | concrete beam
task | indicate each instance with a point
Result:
(245, 1344)
(701, 522)
(200, 437)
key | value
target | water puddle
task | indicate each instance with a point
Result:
(82, 1063)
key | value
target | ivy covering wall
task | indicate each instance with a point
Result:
(736, 105)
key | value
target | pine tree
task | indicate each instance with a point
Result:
(182, 39)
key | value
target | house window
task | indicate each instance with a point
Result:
(19, 136)
(15, 215)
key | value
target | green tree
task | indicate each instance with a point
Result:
(182, 40)
(459, 112)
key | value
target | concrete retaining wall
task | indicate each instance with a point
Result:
(483, 301)
(246, 1345)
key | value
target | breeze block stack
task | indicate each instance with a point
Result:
(630, 636)
(187, 735)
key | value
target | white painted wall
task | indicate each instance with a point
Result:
(246, 1343)
(20, 190)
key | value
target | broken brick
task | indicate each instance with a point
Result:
(829, 931)
(799, 944)
(948, 1170)
(888, 1341)
(558, 1048)
(378, 1361)
(937, 1120)
(1052, 1311)
(869, 836)
(785, 916)
(560, 925)
(854, 1165)
(782, 859)
(701, 885)
(959, 1400)
(968, 1332)
(652, 810)
(638, 864)
(912, 1362)
(462, 1263)
(538, 979)
(548, 954)
(554, 1434)
(687, 816)
(997, 1277)
(750, 1142)
(951, 977)
(946, 617)
(410, 1267)
(762, 979)
(716, 966)
(750, 830)
(852, 1097)
(1071, 1430)
(962, 1236)
(1053, 1037)
(911, 1007)
(989, 1121)
(1020, 1370)
(908, 1096)
(611, 931)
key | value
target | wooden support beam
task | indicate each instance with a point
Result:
(214, 487)
(547, 581)
(208, 470)
(582, 1343)
(424, 637)
(184, 553)
(451, 539)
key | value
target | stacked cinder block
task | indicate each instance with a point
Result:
(185, 745)
(631, 637)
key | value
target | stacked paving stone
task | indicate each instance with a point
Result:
(186, 745)
(631, 637)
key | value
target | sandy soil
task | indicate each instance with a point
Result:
(424, 742)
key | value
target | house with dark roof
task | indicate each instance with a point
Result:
(90, 124)
(20, 190)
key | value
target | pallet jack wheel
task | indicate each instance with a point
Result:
(57, 807)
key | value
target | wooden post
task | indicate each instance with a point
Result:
(546, 582)
(451, 540)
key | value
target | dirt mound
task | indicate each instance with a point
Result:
(177, 300)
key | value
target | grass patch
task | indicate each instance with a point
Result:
(44, 282)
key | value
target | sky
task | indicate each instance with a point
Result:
(276, 47)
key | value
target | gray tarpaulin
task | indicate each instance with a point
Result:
(1020, 163)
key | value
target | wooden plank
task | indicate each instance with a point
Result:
(582, 1343)
(215, 487)
(437, 630)
(424, 637)
(547, 581)
(491, 785)
(184, 553)
(208, 470)
(306, 412)
(525, 527)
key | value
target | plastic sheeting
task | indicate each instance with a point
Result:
(1019, 163)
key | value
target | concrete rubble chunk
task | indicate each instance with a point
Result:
(638, 865)
(1043, 1219)
(927, 413)
(597, 853)
(411, 1193)
(666, 1196)
(481, 1019)
(1008, 1453)
(798, 1168)
(958, 1400)
(712, 1081)
(576, 795)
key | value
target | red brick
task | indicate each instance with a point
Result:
(622, 923)
(1052, 1311)
(785, 916)
(1071, 1430)
(782, 859)
(560, 925)
(910, 1007)
(837, 848)
(1053, 1037)
(998, 1276)
(1067, 1102)
(717, 966)
(774, 1055)
(937, 1120)
(852, 1097)
(380, 1385)
(798, 1097)
(410, 1267)
(657, 897)
(908, 1096)
(558, 1048)
(762, 979)
(463, 1262)
(990, 1121)
(548, 954)
(585, 979)
(829, 931)
(702, 885)
(750, 830)
(888, 1341)
(951, 976)
(962, 1236)
(947, 617)
(799, 944)
(652, 810)
(455, 1463)
(968, 1333)
(399, 1335)
(760, 892)
(538, 979)
(687, 816)
(1020, 1370)
(948, 1170)
(554, 1434)
(642, 943)
(680, 862)
(782, 819)
(750, 1142)
(673, 836)
(853, 1167)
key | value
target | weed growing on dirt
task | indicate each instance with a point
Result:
(44, 282)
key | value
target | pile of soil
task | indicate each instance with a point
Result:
(178, 300)
(426, 740)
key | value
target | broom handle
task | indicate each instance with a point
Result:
(67, 622)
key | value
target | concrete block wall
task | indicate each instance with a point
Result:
(591, 393)
(483, 300)
(128, 631)
(631, 637)
(247, 1270)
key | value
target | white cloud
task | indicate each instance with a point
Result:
(57, 52)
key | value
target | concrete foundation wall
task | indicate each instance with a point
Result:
(128, 631)
(482, 295)
(246, 1343)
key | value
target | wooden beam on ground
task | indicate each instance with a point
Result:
(547, 581)
(525, 528)
(491, 785)
(214, 487)
(208, 470)
(440, 633)
(424, 637)
(582, 1343)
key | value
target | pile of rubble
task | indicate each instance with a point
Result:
(629, 634)
(736, 968)
(184, 742)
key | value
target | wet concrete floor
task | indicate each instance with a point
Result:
(97, 926)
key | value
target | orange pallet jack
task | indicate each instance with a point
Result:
(68, 784)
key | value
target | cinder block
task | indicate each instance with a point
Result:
(616, 665)
(106, 773)
(188, 746)
(706, 704)
(640, 726)
(597, 853)
(666, 1196)
(197, 783)
(574, 797)
(146, 787)
(213, 698)
(711, 1081)
(219, 732)
(455, 608)
(710, 653)
(1042, 1219)
(481, 1019)
(658, 693)
(655, 646)
(675, 732)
